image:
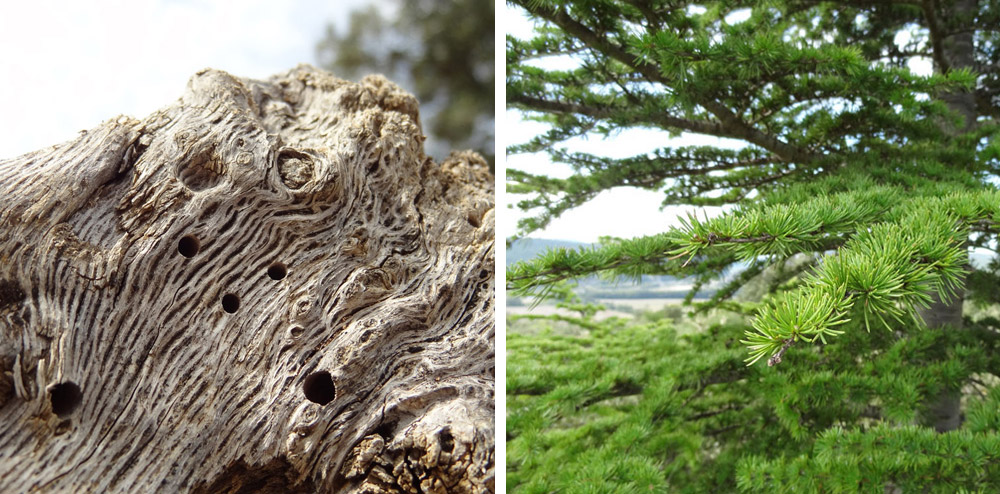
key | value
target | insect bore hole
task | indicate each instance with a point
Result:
(447, 440)
(65, 397)
(473, 220)
(277, 271)
(188, 246)
(230, 303)
(318, 388)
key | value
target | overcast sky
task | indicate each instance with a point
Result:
(70, 65)
(625, 212)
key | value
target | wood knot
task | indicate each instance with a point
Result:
(357, 244)
(201, 172)
(295, 168)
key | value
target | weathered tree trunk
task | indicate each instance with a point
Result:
(266, 287)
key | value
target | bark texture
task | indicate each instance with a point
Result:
(265, 287)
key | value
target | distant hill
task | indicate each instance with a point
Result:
(592, 287)
(524, 249)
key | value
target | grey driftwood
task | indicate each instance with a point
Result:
(264, 287)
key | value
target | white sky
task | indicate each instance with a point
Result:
(624, 212)
(70, 65)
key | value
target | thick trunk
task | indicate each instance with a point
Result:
(945, 413)
(266, 287)
(959, 52)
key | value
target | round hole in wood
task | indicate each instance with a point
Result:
(65, 397)
(277, 271)
(447, 440)
(318, 388)
(230, 303)
(473, 220)
(188, 246)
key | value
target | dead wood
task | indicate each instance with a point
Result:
(264, 287)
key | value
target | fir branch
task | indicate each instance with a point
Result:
(984, 226)
(733, 125)
(653, 23)
(523, 278)
(712, 413)
(619, 390)
(729, 289)
(609, 113)
(576, 321)
(716, 432)
(662, 165)
(776, 358)
(712, 238)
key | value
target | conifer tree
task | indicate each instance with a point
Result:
(878, 174)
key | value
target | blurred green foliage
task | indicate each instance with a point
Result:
(441, 50)
(627, 406)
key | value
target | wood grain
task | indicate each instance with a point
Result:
(307, 203)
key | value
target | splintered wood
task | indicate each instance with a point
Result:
(265, 287)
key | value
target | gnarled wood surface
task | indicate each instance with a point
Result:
(265, 287)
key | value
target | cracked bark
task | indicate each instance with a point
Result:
(264, 287)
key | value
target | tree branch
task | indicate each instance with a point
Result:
(712, 413)
(776, 358)
(731, 123)
(937, 37)
(663, 120)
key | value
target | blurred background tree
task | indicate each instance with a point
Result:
(442, 51)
